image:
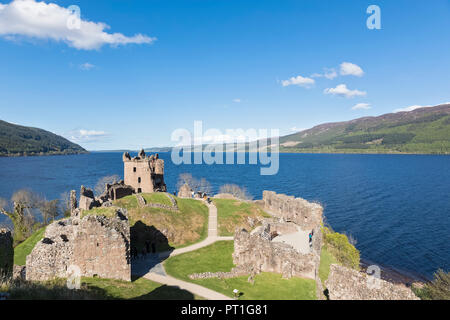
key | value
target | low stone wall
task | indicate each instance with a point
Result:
(97, 245)
(348, 284)
(262, 255)
(6, 253)
(142, 203)
(235, 272)
(307, 215)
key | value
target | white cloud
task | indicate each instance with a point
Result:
(86, 66)
(236, 100)
(352, 69)
(410, 108)
(298, 81)
(29, 18)
(361, 106)
(296, 129)
(86, 136)
(342, 90)
(414, 107)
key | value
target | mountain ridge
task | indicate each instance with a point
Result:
(18, 140)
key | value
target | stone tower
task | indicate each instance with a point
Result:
(144, 173)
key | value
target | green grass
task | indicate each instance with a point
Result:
(326, 259)
(184, 227)
(157, 197)
(108, 212)
(25, 248)
(233, 213)
(217, 257)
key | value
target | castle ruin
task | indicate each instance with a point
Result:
(144, 173)
(95, 245)
(6, 253)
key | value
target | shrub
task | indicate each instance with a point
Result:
(340, 247)
(438, 289)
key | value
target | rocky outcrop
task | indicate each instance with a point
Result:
(348, 284)
(97, 245)
(6, 253)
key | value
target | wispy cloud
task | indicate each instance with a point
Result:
(32, 19)
(298, 81)
(86, 136)
(361, 106)
(236, 100)
(86, 66)
(342, 90)
(351, 69)
(328, 73)
(414, 107)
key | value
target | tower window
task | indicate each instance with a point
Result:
(134, 169)
(139, 180)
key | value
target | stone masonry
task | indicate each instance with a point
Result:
(97, 245)
(6, 253)
(144, 173)
(348, 284)
(263, 255)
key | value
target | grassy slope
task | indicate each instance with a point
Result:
(326, 259)
(217, 257)
(428, 133)
(20, 140)
(25, 248)
(234, 213)
(185, 227)
(160, 198)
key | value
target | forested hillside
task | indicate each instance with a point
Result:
(18, 140)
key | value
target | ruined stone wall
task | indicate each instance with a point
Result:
(102, 248)
(6, 253)
(262, 255)
(305, 214)
(96, 244)
(348, 284)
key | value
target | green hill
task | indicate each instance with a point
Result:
(424, 130)
(18, 140)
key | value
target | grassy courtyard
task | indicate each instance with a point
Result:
(234, 213)
(184, 227)
(217, 257)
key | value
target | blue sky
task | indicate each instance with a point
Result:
(222, 62)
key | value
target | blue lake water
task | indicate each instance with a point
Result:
(397, 207)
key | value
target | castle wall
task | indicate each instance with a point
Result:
(307, 215)
(6, 253)
(262, 255)
(143, 171)
(348, 284)
(95, 244)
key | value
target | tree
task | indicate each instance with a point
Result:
(21, 213)
(50, 210)
(236, 191)
(100, 186)
(204, 186)
(64, 203)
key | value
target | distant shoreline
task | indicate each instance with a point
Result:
(42, 155)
